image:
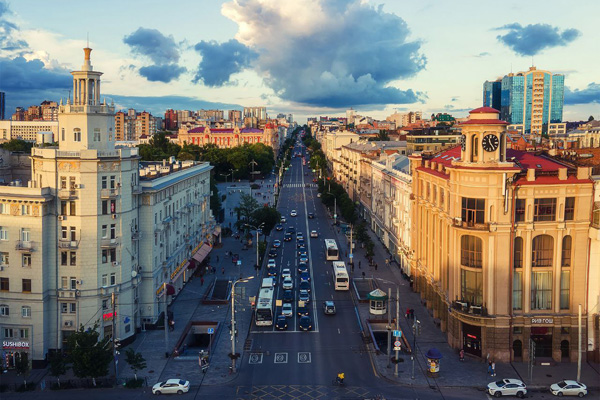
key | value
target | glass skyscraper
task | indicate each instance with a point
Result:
(533, 98)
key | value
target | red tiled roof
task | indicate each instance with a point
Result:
(481, 110)
(484, 122)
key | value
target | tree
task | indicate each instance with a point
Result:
(22, 365)
(215, 200)
(247, 206)
(269, 216)
(90, 355)
(135, 360)
(17, 145)
(58, 366)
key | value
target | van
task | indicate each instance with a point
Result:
(267, 283)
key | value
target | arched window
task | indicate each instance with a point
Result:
(470, 251)
(542, 250)
(518, 253)
(566, 251)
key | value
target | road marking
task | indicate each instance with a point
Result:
(339, 333)
(281, 358)
(304, 357)
(255, 358)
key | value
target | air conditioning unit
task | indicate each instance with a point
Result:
(115, 263)
(68, 323)
(80, 282)
(78, 186)
(113, 241)
(114, 216)
(62, 217)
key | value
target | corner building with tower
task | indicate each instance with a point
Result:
(94, 225)
(500, 245)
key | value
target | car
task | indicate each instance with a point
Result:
(171, 386)
(304, 285)
(300, 236)
(276, 243)
(290, 230)
(278, 227)
(282, 220)
(305, 323)
(302, 310)
(286, 310)
(304, 296)
(300, 243)
(304, 276)
(287, 237)
(314, 234)
(271, 263)
(281, 322)
(286, 273)
(288, 283)
(288, 296)
(271, 271)
(293, 213)
(303, 259)
(311, 215)
(302, 252)
(329, 307)
(302, 267)
(273, 253)
(568, 388)
(507, 387)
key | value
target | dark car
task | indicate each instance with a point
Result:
(302, 252)
(288, 296)
(302, 267)
(311, 215)
(305, 323)
(300, 243)
(279, 227)
(304, 296)
(287, 237)
(304, 285)
(302, 310)
(272, 253)
(290, 230)
(304, 276)
(272, 271)
(281, 322)
(329, 307)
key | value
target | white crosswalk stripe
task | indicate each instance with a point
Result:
(298, 185)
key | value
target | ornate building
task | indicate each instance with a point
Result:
(231, 137)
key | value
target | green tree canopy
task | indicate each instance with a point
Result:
(89, 354)
(17, 145)
(135, 361)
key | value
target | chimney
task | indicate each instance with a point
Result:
(562, 174)
(583, 172)
(530, 174)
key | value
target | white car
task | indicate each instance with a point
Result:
(171, 386)
(299, 235)
(293, 213)
(286, 310)
(288, 283)
(314, 234)
(507, 387)
(286, 273)
(271, 263)
(568, 388)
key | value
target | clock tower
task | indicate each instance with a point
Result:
(483, 139)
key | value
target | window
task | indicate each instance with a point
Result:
(4, 284)
(596, 214)
(64, 307)
(569, 208)
(72, 308)
(105, 304)
(4, 208)
(63, 182)
(518, 253)
(541, 290)
(474, 148)
(26, 260)
(26, 312)
(63, 134)
(104, 182)
(565, 280)
(64, 282)
(104, 231)
(113, 231)
(73, 283)
(520, 210)
(517, 330)
(104, 256)
(25, 209)
(25, 235)
(470, 253)
(517, 301)
(113, 279)
(113, 206)
(104, 280)
(72, 208)
(4, 258)
(63, 208)
(73, 259)
(4, 311)
(473, 210)
(73, 231)
(104, 207)
(566, 252)
(24, 333)
(63, 232)
(112, 181)
(8, 333)
(72, 182)
(77, 135)
(545, 210)
(542, 251)
(27, 285)
(472, 287)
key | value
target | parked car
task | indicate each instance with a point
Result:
(286, 310)
(305, 323)
(314, 234)
(281, 322)
(568, 388)
(329, 307)
(288, 283)
(171, 386)
(507, 387)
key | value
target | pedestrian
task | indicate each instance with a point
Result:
(359, 265)
(412, 313)
(202, 281)
(223, 270)
(461, 355)
(363, 274)
(489, 370)
(407, 313)
(493, 368)
(217, 258)
(375, 266)
(172, 325)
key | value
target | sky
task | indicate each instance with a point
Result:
(304, 57)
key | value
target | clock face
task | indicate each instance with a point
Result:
(490, 142)
(463, 142)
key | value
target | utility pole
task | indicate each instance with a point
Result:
(579, 348)
(416, 329)
(114, 333)
(253, 163)
(257, 247)
(334, 209)
(397, 326)
(389, 328)
(351, 246)
(166, 319)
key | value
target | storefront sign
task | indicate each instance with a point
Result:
(108, 316)
(542, 320)
(7, 344)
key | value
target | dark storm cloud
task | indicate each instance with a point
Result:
(220, 61)
(18, 74)
(532, 39)
(151, 43)
(158, 104)
(3, 8)
(351, 59)
(162, 73)
(591, 94)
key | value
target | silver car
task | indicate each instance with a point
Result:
(568, 388)
(171, 386)
(507, 387)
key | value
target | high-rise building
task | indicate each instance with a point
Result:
(171, 120)
(533, 98)
(2, 105)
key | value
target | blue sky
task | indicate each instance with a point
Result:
(306, 57)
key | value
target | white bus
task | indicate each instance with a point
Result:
(341, 280)
(267, 283)
(264, 307)
(331, 250)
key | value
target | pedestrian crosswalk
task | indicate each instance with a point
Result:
(303, 357)
(299, 185)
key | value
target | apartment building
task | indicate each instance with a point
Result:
(26, 130)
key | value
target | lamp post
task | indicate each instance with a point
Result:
(233, 330)
(389, 327)
(256, 228)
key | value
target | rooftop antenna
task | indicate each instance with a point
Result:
(88, 40)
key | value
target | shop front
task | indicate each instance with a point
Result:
(13, 351)
(541, 337)
(471, 339)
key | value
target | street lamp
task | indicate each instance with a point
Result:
(389, 327)
(233, 320)
(256, 228)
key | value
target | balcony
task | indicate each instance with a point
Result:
(136, 236)
(23, 245)
(67, 194)
(107, 243)
(68, 244)
(136, 189)
(459, 223)
(109, 193)
(464, 307)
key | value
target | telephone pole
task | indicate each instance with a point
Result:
(114, 334)
(166, 319)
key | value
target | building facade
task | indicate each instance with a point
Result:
(26, 130)
(231, 137)
(500, 241)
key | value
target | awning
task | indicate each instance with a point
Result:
(202, 253)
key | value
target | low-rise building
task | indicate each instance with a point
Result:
(26, 130)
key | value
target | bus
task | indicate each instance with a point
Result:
(264, 307)
(267, 283)
(331, 250)
(341, 280)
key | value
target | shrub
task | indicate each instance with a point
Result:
(134, 383)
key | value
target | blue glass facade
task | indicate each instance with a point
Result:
(492, 94)
(558, 98)
(512, 97)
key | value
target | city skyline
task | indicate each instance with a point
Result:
(295, 57)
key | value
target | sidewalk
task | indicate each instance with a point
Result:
(470, 373)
